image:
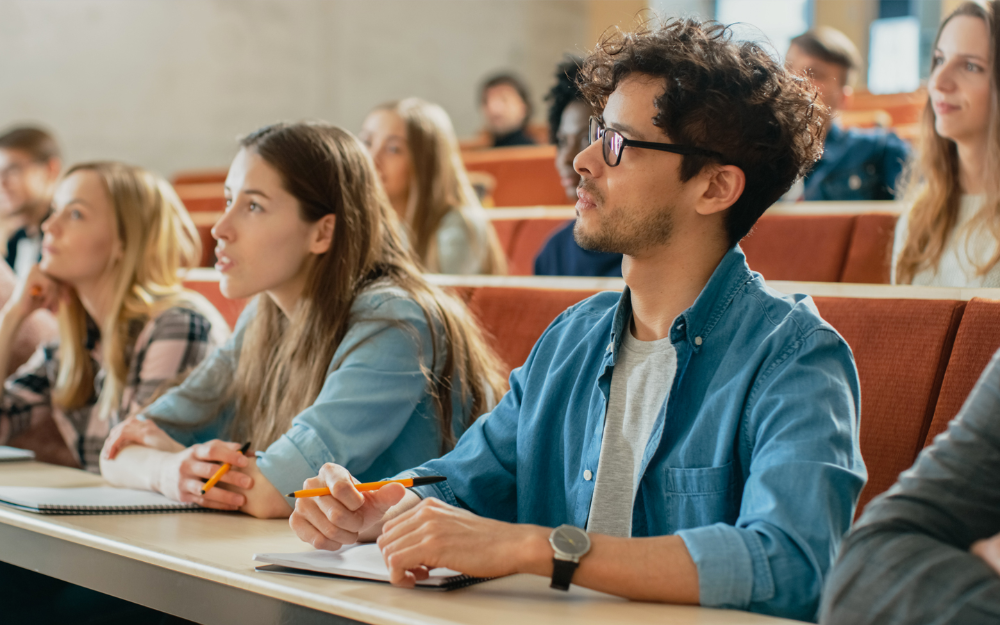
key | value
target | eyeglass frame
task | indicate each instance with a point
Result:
(674, 148)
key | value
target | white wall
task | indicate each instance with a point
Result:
(170, 84)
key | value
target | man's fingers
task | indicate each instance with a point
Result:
(331, 531)
(339, 515)
(221, 452)
(343, 491)
(386, 497)
(401, 564)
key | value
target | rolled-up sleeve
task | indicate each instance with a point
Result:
(799, 496)
(908, 561)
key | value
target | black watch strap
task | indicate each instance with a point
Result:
(562, 573)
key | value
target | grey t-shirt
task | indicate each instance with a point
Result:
(640, 385)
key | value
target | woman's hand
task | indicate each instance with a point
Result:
(181, 475)
(133, 431)
(37, 290)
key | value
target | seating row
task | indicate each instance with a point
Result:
(794, 242)
(919, 351)
(823, 243)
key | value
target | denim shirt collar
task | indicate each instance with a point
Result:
(695, 324)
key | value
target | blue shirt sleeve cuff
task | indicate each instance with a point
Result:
(441, 490)
(725, 565)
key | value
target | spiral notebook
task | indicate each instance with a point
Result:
(92, 500)
(353, 562)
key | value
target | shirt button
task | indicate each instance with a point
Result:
(697, 340)
(587, 475)
(854, 182)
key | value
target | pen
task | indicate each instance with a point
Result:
(36, 291)
(222, 471)
(408, 483)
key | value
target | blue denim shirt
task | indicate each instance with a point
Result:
(754, 460)
(374, 414)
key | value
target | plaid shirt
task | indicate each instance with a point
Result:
(164, 347)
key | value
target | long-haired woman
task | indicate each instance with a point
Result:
(111, 253)
(347, 354)
(951, 234)
(418, 160)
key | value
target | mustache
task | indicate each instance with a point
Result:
(591, 189)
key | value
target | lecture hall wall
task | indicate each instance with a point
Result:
(170, 84)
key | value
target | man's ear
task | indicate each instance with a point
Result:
(322, 237)
(725, 186)
(52, 168)
(848, 92)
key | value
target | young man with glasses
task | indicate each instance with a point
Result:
(700, 427)
(29, 169)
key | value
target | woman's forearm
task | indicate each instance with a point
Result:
(134, 467)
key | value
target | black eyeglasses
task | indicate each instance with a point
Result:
(615, 144)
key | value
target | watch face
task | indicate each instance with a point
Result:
(569, 540)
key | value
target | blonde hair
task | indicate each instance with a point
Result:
(284, 361)
(157, 240)
(439, 185)
(932, 176)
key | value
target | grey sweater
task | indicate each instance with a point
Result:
(907, 560)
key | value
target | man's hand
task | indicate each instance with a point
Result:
(433, 534)
(989, 550)
(343, 517)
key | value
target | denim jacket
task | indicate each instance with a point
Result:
(754, 461)
(857, 165)
(374, 414)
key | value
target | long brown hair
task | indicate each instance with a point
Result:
(440, 184)
(932, 177)
(284, 361)
(158, 239)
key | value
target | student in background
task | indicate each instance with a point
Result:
(111, 252)
(416, 154)
(856, 164)
(507, 109)
(702, 428)
(928, 551)
(950, 235)
(29, 169)
(569, 118)
(347, 352)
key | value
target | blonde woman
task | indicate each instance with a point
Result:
(416, 154)
(111, 252)
(347, 353)
(951, 234)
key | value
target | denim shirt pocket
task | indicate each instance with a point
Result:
(699, 497)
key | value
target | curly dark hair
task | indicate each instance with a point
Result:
(563, 93)
(728, 96)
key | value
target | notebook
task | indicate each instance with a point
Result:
(13, 454)
(355, 562)
(95, 500)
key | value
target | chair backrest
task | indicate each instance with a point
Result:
(514, 318)
(809, 248)
(529, 241)
(978, 338)
(525, 176)
(901, 348)
(869, 256)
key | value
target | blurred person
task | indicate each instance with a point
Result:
(949, 235)
(856, 164)
(419, 163)
(29, 168)
(111, 252)
(569, 119)
(507, 108)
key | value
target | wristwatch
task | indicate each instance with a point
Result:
(570, 544)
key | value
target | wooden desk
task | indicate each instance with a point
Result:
(199, 567)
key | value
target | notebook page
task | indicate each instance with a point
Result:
(100, 497)
(361, 561)
(12, 454)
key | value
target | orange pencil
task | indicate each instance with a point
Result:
(222, 471)
(409, 482)
(35, 291)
